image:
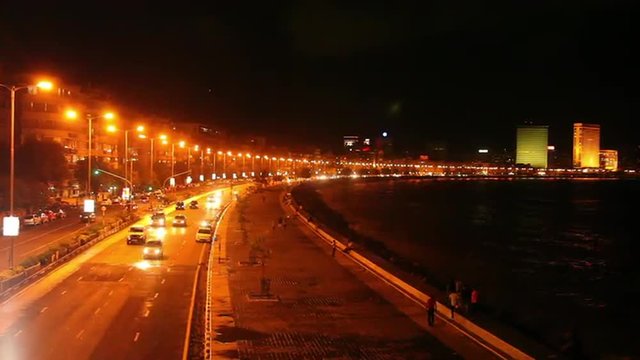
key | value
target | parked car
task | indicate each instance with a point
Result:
(44, 218)
(180, 205)
(32, 220)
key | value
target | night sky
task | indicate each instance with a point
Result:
(308, 72)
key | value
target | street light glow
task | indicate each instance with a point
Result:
(109, 116)
(45, 85)
(163, 137)
(71, 114)
(140, 128)
(181, 143)
(112, 128)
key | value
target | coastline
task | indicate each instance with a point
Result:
(498, 321)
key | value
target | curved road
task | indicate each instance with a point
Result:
(113, 305)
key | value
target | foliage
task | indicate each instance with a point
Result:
(41, 161)
(80, 173)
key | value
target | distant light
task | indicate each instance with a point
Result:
(551, 147)
(384, 134)
(483, 151)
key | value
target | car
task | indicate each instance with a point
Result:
(204, 234)
(136, 235)
(153, 249)
(32, 220)
(87, 217)
(61, 214)
(144, 199)
(180, 205)
(44, 217)
(106, 202)
(193, 204)
(158, 219)
(179, 220)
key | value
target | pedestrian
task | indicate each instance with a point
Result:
(431, 311)
(454, 301)
(474, 300)
(333, 248)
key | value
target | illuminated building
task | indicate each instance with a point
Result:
(586, 145)
(350, 142)
(531, 145)
(609, 160)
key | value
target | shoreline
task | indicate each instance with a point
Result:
(419, 276)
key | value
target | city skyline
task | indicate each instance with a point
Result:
(331, 69)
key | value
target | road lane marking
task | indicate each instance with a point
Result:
(135, 338)
(18, 333)
(122, 278)
(63, 292)
(156, 295)
(110, 293)
(80, 278)
(97, 311)
(162, 282)
(146, 313)
(43, 309)
(80, 334)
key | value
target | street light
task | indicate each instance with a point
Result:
(113, 129)
(44, 85)
(72, 114)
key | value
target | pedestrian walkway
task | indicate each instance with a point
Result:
(313, 305)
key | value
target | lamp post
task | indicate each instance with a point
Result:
(140, 129)
(45, 85)
(72, 114)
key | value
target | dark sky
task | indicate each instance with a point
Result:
(311, 71)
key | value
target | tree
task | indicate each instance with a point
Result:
(80, 173)
(41, 161)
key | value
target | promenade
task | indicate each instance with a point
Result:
(318, 306)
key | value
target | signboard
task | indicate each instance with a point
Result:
(213, 176)
(188, 180)
(10, 226)
(201, 177)
(89, 205)
(172, 182)
(126, 193)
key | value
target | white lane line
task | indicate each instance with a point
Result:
(163, 280)
(63, 292)
(80, 278)
(110, 293)
(122, 278)
(80, 334)
(18, 333)
(97, 311)
(156, 295)
(146, 313)
(43, 309)
(135, 338)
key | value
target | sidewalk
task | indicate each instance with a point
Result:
(321, 307)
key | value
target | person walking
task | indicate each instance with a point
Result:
(474, 300)
(431, 311)
(454, 301)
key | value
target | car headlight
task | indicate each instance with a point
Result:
(157, 251)
(146, 251)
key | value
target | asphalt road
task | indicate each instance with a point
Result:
(33, 240)
(114, 306)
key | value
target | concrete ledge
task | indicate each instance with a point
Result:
(480, 334)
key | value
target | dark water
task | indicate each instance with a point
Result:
(551, 255)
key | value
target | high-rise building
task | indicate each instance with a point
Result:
(586, 145)
(531, 145)
(609, 160)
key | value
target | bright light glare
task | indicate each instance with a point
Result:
(140, 128)
(71, 114)
(112, 128)
(109, 116)
(143, 265)
(45, 85)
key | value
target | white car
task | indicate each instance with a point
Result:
(204, 234)
(32, 220)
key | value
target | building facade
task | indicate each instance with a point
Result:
(586, 145)
(609, 160)
(531, 145)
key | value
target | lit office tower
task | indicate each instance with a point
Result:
(586, 145)
(609, 160)
(531, 145)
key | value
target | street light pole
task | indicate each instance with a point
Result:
(151, 162)
(173, 149)
(88, 191)
(126, 153)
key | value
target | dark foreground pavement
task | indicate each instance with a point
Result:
(321, 307)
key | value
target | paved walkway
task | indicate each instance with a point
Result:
(320, 306)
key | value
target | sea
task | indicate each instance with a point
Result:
(550, 257)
